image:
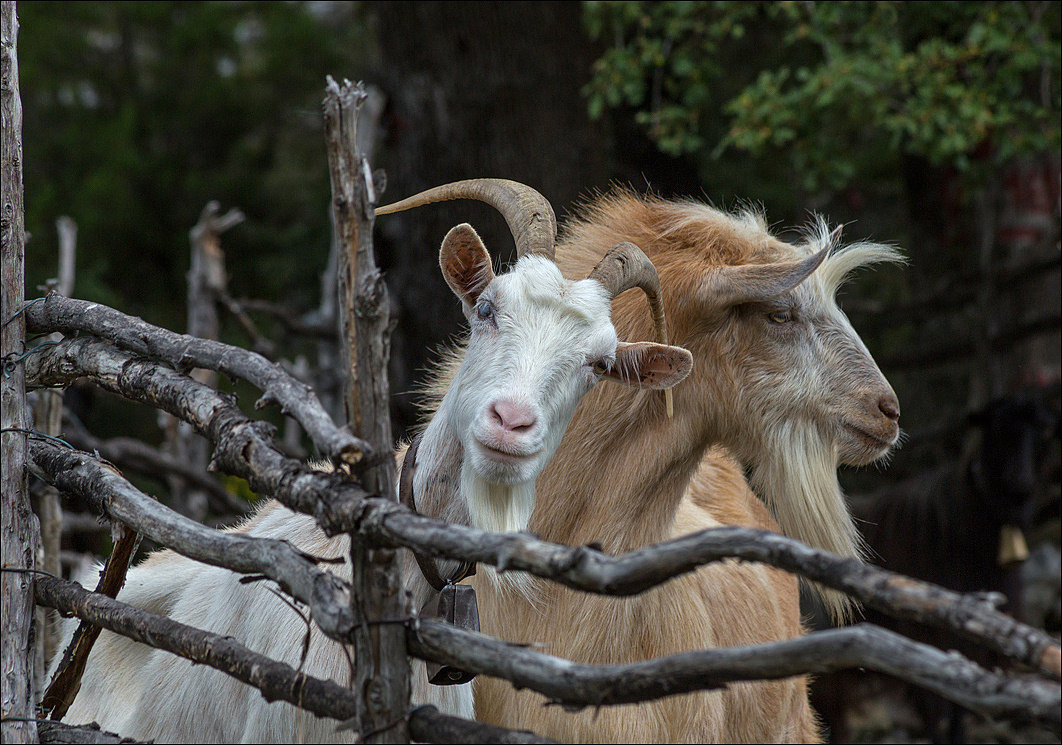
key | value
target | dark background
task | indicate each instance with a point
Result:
(933, 126)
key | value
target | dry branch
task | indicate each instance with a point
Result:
(82, 734)
(589, 570)
(243, 447)
(428, 724)
(108, 492)
(275, 680)
(296, 399)
(867, 646)
(341, 506)
(137, 456)
(67, 681)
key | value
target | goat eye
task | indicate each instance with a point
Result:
(600, 367)
(781, 316)
(484, 310)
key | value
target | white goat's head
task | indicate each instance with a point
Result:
(538, 342)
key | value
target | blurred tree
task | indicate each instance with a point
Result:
(137, 114)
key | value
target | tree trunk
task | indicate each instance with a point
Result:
(19, 529)
(381, 676)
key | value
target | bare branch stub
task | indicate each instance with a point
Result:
(382, 675)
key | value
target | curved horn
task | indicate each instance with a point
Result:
(625, 266)
(529, 216)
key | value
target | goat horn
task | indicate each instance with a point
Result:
(625, 266)
(528, 214)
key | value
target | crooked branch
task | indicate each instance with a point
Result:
(584, 568)
(134, 455)
(327, 595)
(296, 399)
(275, 680)
(865, 645)
(341, 506)
(242, 447)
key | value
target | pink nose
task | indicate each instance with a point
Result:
(513, 416)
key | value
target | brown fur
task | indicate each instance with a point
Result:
(626, 476)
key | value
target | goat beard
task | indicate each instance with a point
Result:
(797, 479)
(501, 508)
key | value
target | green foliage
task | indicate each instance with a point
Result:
(834, 90)
(136, 114)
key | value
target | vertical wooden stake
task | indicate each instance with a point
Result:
(18, 529)
(382, 670)
(48, 419)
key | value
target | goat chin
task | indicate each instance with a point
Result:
(501, 508)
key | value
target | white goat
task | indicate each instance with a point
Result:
(537, 344)
(784, 383)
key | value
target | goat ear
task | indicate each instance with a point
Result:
(733, 285)
(650, 365)
(465, 263)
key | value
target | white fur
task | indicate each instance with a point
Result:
(538, 350)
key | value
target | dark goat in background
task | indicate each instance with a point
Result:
(960, 526)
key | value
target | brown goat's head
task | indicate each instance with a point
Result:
(780, 376)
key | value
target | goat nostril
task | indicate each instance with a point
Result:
(513, 417)
(890, 407)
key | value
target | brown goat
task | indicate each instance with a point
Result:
(782, 381)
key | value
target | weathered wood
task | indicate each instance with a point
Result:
(18, 528)
(81, 734)
(183, 352)
(587, 569)
(428, 724)
(275, 680)
(382, 675)
(865, 646)
(48, 417)
(327, 596)
(243, 447)
(339, 505)
(137, 456)
(67, 680)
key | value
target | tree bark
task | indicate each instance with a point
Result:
(381, 677)
(862, 646)
(18, 528)
(184, 352)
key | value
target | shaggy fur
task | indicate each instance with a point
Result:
(790, 399)
(538, 342)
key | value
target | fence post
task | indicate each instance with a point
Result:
(19, 529)
(381, 677)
